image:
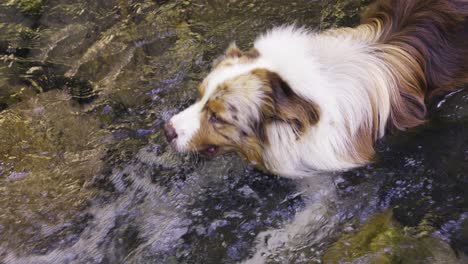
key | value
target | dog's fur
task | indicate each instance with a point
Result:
(301, 101)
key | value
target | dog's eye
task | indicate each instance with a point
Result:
(215, 119)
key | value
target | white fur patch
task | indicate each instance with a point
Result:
(186, 124)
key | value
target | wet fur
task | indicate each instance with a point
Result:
(301, 101)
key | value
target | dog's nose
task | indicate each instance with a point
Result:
(170, 132)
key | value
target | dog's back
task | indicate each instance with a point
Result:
(425, 44)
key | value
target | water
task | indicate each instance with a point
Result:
(87, 177)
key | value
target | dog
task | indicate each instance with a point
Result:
(301, 102)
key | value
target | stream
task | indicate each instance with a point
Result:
(86, 175)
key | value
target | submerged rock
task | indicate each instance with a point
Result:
(382, 240)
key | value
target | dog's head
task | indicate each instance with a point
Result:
(238, 103)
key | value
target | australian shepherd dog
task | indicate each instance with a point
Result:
(301, 101)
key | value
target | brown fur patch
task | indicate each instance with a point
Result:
(211, 135)
(424, 41)
(251, 54)
(364, 146)
(216, 105)
(284, 105)
(201, 90)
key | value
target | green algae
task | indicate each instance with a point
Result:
(377, 234)
(342, 13)
(382, 240)
(32, 8)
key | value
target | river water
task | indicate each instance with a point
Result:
(87, 177)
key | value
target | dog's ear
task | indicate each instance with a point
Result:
(282, 104)
(233, 51)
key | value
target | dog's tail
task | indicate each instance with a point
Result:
(425, 45)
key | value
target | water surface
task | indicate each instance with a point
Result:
(87, 177)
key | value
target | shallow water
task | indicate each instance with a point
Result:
(87, 177)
